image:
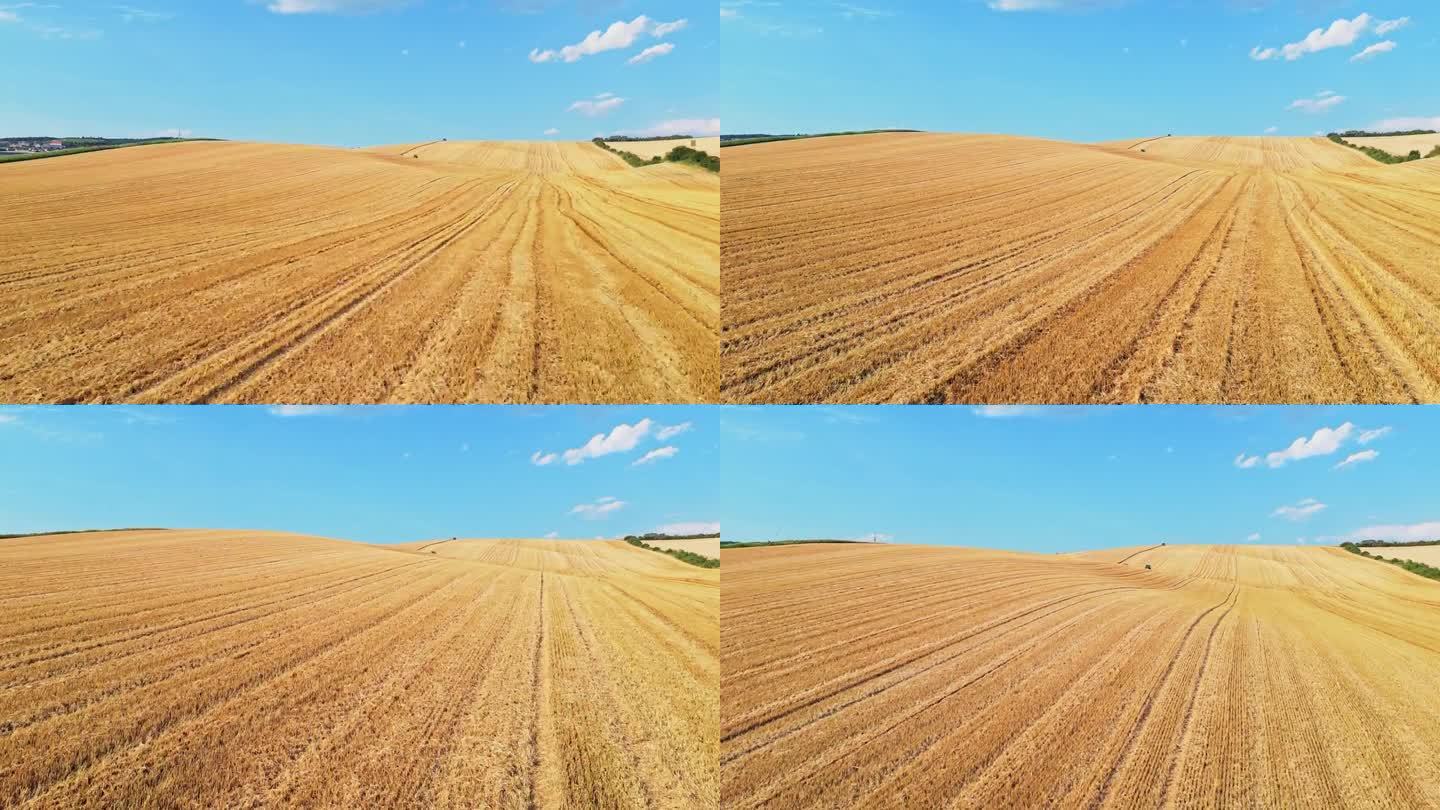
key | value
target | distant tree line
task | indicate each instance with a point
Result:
(680, 154)
(1380, 154)
(1360, 133)
(1389, 543)
(638, 139)
(699, 560)
(1427, 571)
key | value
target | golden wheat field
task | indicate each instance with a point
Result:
(884, 676)
(442, 272)
(978, 268)
(253, 669)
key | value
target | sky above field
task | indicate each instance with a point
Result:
(373, 474)
(1075, 478)
(1085, 70)
(359, 72)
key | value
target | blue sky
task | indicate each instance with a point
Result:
(358, 72)
(372, 474)
(1085, 70)
(1074, 478)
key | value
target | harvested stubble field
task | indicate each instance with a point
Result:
(444, 272)
(883, 676)
(245, 669)
(967, 268)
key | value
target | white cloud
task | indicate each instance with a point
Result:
(333, 6)
(1299, 511)
(655, 455)
(1245, 462)
(601, 508)
(1384, 27)
(1271, 130)
(303, 410)
(1367, 436)
(650, 53)
(131, 14)
(7, 418)
(1374, 50)
(551, 535)
(1007, 411)
(1341, 33)
(619, 35)
(552, 131)
(669, 432)
(1319, 104)
(852, 12)
(728, 14)
(691, 527)
(540, 458)
(1399, 533)
(597, 106)
(1029, 5)
(1358, 458)
(8, 16)
(1254, 538)
(696, 127)
(622, 438)
(1322, 443)
(1402, 124)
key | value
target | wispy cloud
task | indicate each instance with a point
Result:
(1374, 51)
(552, 131)
(1323, 102)
(1358, 458)
(1299, 511)
(1253, 538)
(656, 455)
(1341, 33)
(1384, 27)
(620, 439)
(619, 35)
(334, 6)
(1399, 533)
(598, 106)
(1007, 411)
(290, 411)
(1401, 124)
(1321, 443)
(669, 432)
(695, 127)
(853, 12)
(651, 53)
(132, 14)
(691, 527)
(600, 508)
